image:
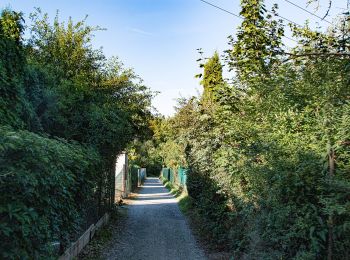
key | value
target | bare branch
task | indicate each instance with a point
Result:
(329, 8)
(318, 54)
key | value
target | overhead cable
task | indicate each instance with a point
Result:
(305, 10)
(240, 17)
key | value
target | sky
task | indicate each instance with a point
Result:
(159, 38)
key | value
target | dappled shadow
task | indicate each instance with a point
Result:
(153, 192)
(152, 183)
(156, 229)
(154, 198)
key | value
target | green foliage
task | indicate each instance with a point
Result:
(212, 79)
(110, 102)
(255, 53)
(145, 155)
(11, 68)
(66, 112)
(269, 157)
(45, 185)
(185, 204)
(134, 176)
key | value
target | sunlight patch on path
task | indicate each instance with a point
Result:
(155, 228)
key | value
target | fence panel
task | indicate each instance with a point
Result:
(182, 174)
(141, 176)
(178, 177)
(134, 171)
(166, 173)
(172, 176)
(164, 170)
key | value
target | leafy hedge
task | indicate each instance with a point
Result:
(269, 152)
(44, 186)
(66, 112)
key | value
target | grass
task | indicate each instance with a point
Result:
(185, 202)
(187, 207)
(175, 190)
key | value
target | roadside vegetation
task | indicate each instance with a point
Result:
(268, 150)
(66, 111)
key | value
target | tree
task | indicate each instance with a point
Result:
(212, 80)
(12, 60)
(84, 110)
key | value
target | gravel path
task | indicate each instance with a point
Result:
(154, 229)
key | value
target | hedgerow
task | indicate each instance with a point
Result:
(66, 112)
(46, 186)
(268, 152)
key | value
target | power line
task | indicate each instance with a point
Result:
(240, 17)
(284, 18)
(319, 17)
(222, 9)
(290, 39)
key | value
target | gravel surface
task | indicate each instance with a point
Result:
(154, 228)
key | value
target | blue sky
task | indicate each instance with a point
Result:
(159, 38)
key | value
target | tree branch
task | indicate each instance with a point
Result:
(318, 54)
(329, 8)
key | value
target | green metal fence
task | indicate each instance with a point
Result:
(134, 177)
(137, 176)
(172, 176)
(182, 176)
(141, 175)
(166, 173)
(177, 177)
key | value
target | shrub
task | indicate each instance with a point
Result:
(44, 184)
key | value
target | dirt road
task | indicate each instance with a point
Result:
(154, 229)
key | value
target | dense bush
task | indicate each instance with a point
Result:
(46, 186)
(66, 112)
(268, 153)
(11, 69)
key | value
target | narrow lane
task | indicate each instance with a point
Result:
(155, 228)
